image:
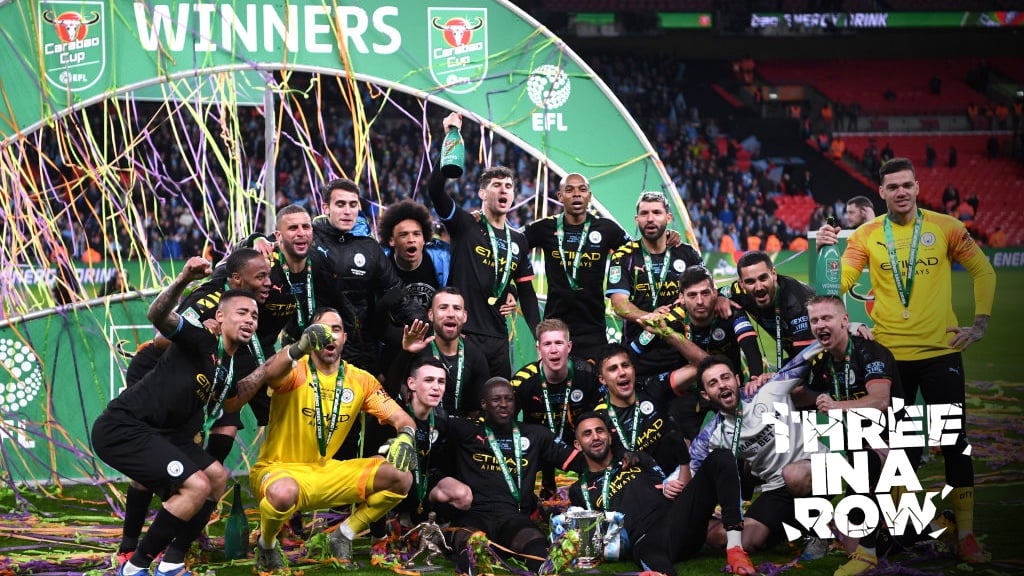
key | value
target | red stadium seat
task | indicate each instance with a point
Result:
(996, 181)
(866, 82)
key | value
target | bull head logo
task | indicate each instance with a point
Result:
(70, 26)
(457, 31)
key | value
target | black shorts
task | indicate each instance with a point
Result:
(260, 406)
(502, 528)
(772, 508)
(160, 462)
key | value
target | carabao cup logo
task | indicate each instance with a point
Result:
(548, 87)
(21, 378)
(832, 273)
(73, 39)
(458, 47)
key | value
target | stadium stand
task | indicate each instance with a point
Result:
(867, 82)
(996, 181)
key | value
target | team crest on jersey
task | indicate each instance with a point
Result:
(524, 444)
(928, 238)
(577, 395)
(594, 237)
(515, 249)
(175, 468)
(718, 334)
(646, 407)
(678, 265)
(347, 396)
(614, 274)
(359, 259)
(433, 436)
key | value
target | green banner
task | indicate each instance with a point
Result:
(59, 371)
(36, 282)
(489, 59)
(684, 20)
(1005, 257)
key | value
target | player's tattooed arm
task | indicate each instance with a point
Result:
(245, 389)
(161, 312)
(965, 336)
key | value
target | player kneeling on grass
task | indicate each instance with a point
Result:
(295, 470)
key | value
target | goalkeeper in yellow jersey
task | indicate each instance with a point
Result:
(910, 253)
(316, 398)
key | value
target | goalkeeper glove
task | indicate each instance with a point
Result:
(314, 337)
(401, 450)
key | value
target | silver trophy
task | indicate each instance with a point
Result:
(587, 524)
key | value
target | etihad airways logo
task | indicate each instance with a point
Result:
(587, 259)
(904, 264)
(488, 463)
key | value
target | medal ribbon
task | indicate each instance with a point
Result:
(322, 440)
(689, 331)
(631, 445)
(649, 265)
(845, 371)
(303, 315)
(604, 488)
(257, 350)
(421, 472)
(213, 413)
(560, 234)
(903, 289)
(500, 457)
(460, 364)
(547, 400)
(737, 434)
(499, 286)
(778, 331)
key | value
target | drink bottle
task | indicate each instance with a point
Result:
(828, 269)
(236, 531)
(453, 154)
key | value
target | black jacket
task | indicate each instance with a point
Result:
(368, 280)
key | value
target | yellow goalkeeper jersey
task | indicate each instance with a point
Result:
(291, 433)
(943, 240)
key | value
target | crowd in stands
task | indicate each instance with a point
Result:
(730, 209)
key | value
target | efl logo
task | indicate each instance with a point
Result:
(21, 376)
(73, 39)
(549, 88)
(458, 47)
